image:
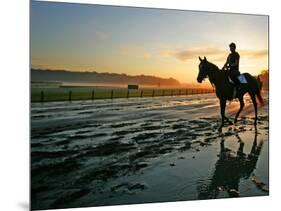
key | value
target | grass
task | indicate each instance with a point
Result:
(90, 93)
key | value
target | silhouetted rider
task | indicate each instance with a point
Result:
(232, 64)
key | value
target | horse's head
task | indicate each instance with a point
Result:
(202, 70)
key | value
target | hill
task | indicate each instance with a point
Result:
(65, 76)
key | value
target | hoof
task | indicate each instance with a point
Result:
(228, 121)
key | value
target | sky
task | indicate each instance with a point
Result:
(143, 41)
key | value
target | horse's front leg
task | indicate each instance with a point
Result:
(240, 109)
(222, 106)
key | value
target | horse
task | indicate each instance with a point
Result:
(224, 89)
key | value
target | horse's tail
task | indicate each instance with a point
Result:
(256, 85)
(259, 99)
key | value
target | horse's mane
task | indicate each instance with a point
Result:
(213, 66)
(217, 71)
(216, 68)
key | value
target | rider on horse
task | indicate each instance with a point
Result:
(232, 64)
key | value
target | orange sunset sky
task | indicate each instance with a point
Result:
(135, 41)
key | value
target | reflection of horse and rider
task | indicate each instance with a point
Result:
(230, 169)
(227, 89)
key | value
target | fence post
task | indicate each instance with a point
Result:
(69, 96)
(93, 94)
(128, 93)
(172, 93)
(163, 92)
(180, 92)
(42, 96)
(153, 93)
(141, 93)
(111, 94)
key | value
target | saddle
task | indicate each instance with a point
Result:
(241, 78)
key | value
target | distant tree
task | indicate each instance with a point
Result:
(264, 78)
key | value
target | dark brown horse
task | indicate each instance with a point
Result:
(224, 89)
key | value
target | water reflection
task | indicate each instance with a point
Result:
(231, 167)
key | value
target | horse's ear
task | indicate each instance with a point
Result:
(205, 59)
(200, 59)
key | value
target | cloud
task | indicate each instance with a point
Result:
(254, 54)
(215, 54)
(189, 54)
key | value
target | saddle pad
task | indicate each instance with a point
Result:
(241, 78)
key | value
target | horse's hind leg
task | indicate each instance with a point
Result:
(256, 109)
(240, 109)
